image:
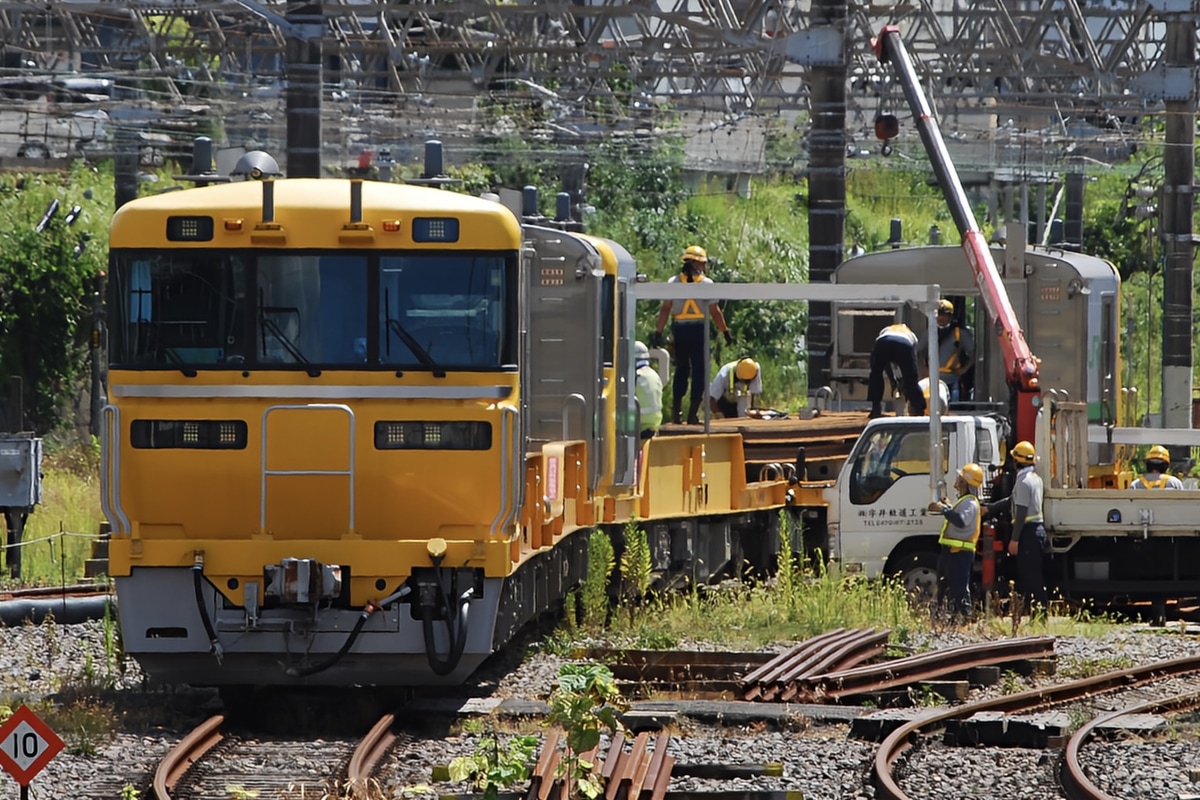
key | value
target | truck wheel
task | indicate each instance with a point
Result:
(918, 572)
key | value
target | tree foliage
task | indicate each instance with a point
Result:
(47, 266)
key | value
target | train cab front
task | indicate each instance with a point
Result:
(311, 442)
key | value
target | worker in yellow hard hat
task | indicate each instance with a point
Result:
(1028, 540)
(689, 327)
(960, 532)
(732, 391)
(1158, 460)
(956, 351)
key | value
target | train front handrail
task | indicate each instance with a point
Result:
(110, 469)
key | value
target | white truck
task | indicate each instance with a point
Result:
(1105, 543)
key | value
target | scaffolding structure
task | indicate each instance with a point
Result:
(1039, 74)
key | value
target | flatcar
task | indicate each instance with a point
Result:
(359, 433)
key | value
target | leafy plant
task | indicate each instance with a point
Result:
(238, 792)
(494, 765)
(1011, 682)
(130, 792)
(585, 703)
(636, 567)
(593, 593)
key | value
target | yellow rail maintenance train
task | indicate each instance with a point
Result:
(360, 432)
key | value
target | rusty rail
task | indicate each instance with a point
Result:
(1075, 782)
(180, 758)
(371, 748)
(641, 773)
(899, 740)
(836, 650)
(915, 669)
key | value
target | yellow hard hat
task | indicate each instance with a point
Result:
(945, 305)
(1158, 453)
(695, 253)
(973, 474)
(746, 370)
(1023, 453)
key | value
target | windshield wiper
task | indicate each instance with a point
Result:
(412, 344)
(173, 357)
(270, 326)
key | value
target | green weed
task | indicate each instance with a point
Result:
(495, 765)
(585, 703)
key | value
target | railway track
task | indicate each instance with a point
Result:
(1120, 688)
(1076, 782)
(209, 763)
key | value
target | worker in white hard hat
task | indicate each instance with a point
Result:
(648, 391)
(732, 391)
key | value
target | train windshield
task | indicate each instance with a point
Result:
(202, 309)
(441, 311)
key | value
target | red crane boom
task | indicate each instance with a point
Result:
(1021, 365)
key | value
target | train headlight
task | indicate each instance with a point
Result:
(433, 435)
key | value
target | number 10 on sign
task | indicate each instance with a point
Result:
(26, 746)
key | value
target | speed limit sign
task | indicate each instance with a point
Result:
(27, 745)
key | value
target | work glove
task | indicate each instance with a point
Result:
(656, 339)
(729, 338)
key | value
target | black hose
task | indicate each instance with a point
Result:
(64, 610)
(456, 628)
(198, 585)
(303, 672)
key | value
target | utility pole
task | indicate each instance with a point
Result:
(1176, 206)
(98, 355)
(823, 48)
(305, 27)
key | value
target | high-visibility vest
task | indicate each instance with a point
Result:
(649, 392)
(688, 310)
(952, 361)
(1155, 484)
(962, 538)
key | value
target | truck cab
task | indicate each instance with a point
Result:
(877, 509)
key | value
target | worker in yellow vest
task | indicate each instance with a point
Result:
(731, 393)
(1158, 460)
(648, 389)
(895, 346)
(689, 326)
(956, 351)
(960, 533)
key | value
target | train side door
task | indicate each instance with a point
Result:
(563, 358)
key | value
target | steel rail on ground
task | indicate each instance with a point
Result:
(899, 740)
(1075, 782)
(180, 758)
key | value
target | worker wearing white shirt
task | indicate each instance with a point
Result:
(734, 388)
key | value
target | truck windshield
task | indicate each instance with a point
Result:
(888, 455)
(208, 309)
